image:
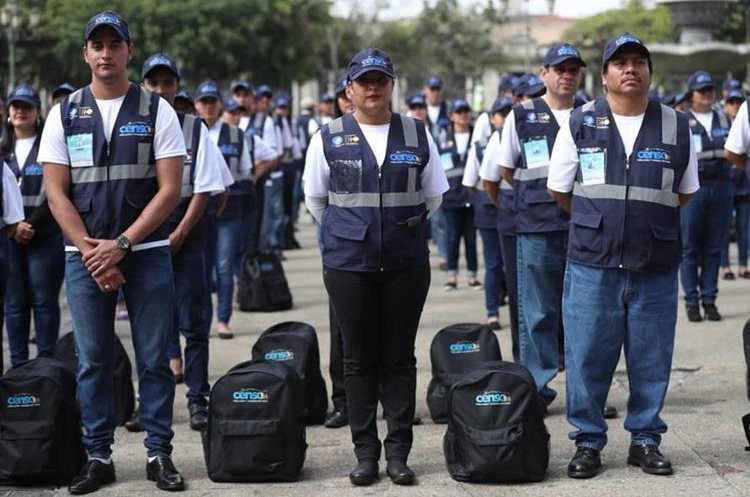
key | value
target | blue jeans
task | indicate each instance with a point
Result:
(34, 281)
(605, 310)
(508, 248)
(193, 321)
(741, 207)
(705, 223)
(438, 232)
(248, 242)
(227, 243)
(459, 223)
(272, 224)
(494, 278)
(541, 269)
(149, 294)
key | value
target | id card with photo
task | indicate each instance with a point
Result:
(536, 153)
(698, 143)
(81, 149)
(593, 165)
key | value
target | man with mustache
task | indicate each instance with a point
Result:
(621, 166)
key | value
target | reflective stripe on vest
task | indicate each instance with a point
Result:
(530, 174)
(400, 199)
(35, 200)
(113, 172)
(188, 127)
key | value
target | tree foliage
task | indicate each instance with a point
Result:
(734, 28)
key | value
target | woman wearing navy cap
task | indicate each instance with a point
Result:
(35, 252)
(371, 179)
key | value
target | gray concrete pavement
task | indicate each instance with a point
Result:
(703, 410)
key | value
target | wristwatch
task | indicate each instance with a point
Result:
(123, 243)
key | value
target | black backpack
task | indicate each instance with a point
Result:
(296, 344)
(123, 391)
(496, 430)
(263, 286)
(256, 424)
(40, 427)
(455, 350)
(746, 348)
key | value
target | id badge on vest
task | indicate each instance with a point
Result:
(446, 159)
(698, 143)
(81, 149)
(593, 165)
(536, 152)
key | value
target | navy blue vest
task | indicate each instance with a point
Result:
(256, 124)
(485, 212)
(454, 164)
(29, 177)
(712, 165)
(231, 143)
(111, 183)
(375, 220)
(537, 211)
(631, 220)
(3, 237)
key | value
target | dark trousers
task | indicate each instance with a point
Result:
(336, 367)
(379, 315)
(508, 248)
(3, 282)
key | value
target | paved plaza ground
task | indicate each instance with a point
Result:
(703, 410)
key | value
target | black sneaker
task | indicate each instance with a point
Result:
(712, 313)
(694, 314)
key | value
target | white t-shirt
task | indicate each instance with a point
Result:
(490, 167)
(245, 168)
(433, 112)
(263, 152)
(471, 169)
(564, 157)
(482, 128)
(462, 141)
(510, 145)
(22, 149)
(315, 177)
(12, 199)
(312, 124)
(738, 141)
(706, 119)
(209, 166)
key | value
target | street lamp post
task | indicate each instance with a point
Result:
(10, 19)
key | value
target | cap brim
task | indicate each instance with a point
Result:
(117, 29)
(158, 66)
(207, 95)
(23, 99)
(631, 44)
(534, 90)
(365, 70)
(563, 58)
(702, 86)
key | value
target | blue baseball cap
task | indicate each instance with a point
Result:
(507, 83)
(230, 104)
(370, 59)
(621, 41)
(500, 104)
(327, 98)
(416, 100)
(340, 84)
(283, 101)
(735, 95)
(434, 81)
(460, 104)
(183, 94)
(63, 89)
(264, 90)
(530, 86)
(158, 60)
(560, 52)
(207, 89)
(111, 19)
(655, 95)
(732, 84)
(26, 94)
(700, 80)
(242, 85)
(679, 98)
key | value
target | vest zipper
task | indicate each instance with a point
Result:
(625, 211)
(380, 208)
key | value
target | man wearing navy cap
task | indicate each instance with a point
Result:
(61, 92)
(437, 109)
(621, 166)
(183, 103)
(541, 225)
(705, 221)
(244, 94)
(113, 155)
(417, 106)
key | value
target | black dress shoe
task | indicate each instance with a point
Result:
(585, 463)
(134, 423)
(650, 459)
(366, 473)
(399, 472)
(198, 417)
(694, 314)
(712, 313)
(92, 476)
(336, 419)
(610, 412)
(162, 471)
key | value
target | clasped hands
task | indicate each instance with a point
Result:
(101, 261)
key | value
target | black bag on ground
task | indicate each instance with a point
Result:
(256, 424)
(496, 430)
(123, 390)
(455, 350)
(263, 286)
(296, 344)
(40, 428)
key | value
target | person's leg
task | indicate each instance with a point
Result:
(451, 219)
(17, 302)
(93, 315)
(402, 298)
(492, 270)
(226, 245)
(541, 267)
(3, 283)
(469, 234)
(719, 208)
(508, 245)
(693, 219)
(437, 231)
(246, 242)
(336, 367)
(355, 299)
(149, 293)
(46, 259)
(594, 319)
(725, 264)
(742, 206)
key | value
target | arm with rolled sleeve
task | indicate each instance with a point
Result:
(510, 148)
(489, 170)
(471, 170)
(738, 141)
(315, 178)
(563, 167)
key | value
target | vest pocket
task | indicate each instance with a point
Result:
(585, 235)
(537, 197)
(664, 251)
(355, 232)
(83, 204)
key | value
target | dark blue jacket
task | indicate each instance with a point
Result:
(454, 164)
(375, 219)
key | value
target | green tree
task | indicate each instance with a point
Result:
(736, 25)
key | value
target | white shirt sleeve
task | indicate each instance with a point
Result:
(315, 177)
(263, 151)
(312, 126)
(286, 134)
(482, 128)
(738, 140)
(434, 182)
(12, 200)
(270, 136)
(245, 169)
(471, 170)
(510, 145)
(690, 182)
(52, 147)
(563, 162)
(168, 138)
(208, 166)
(490, 167)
